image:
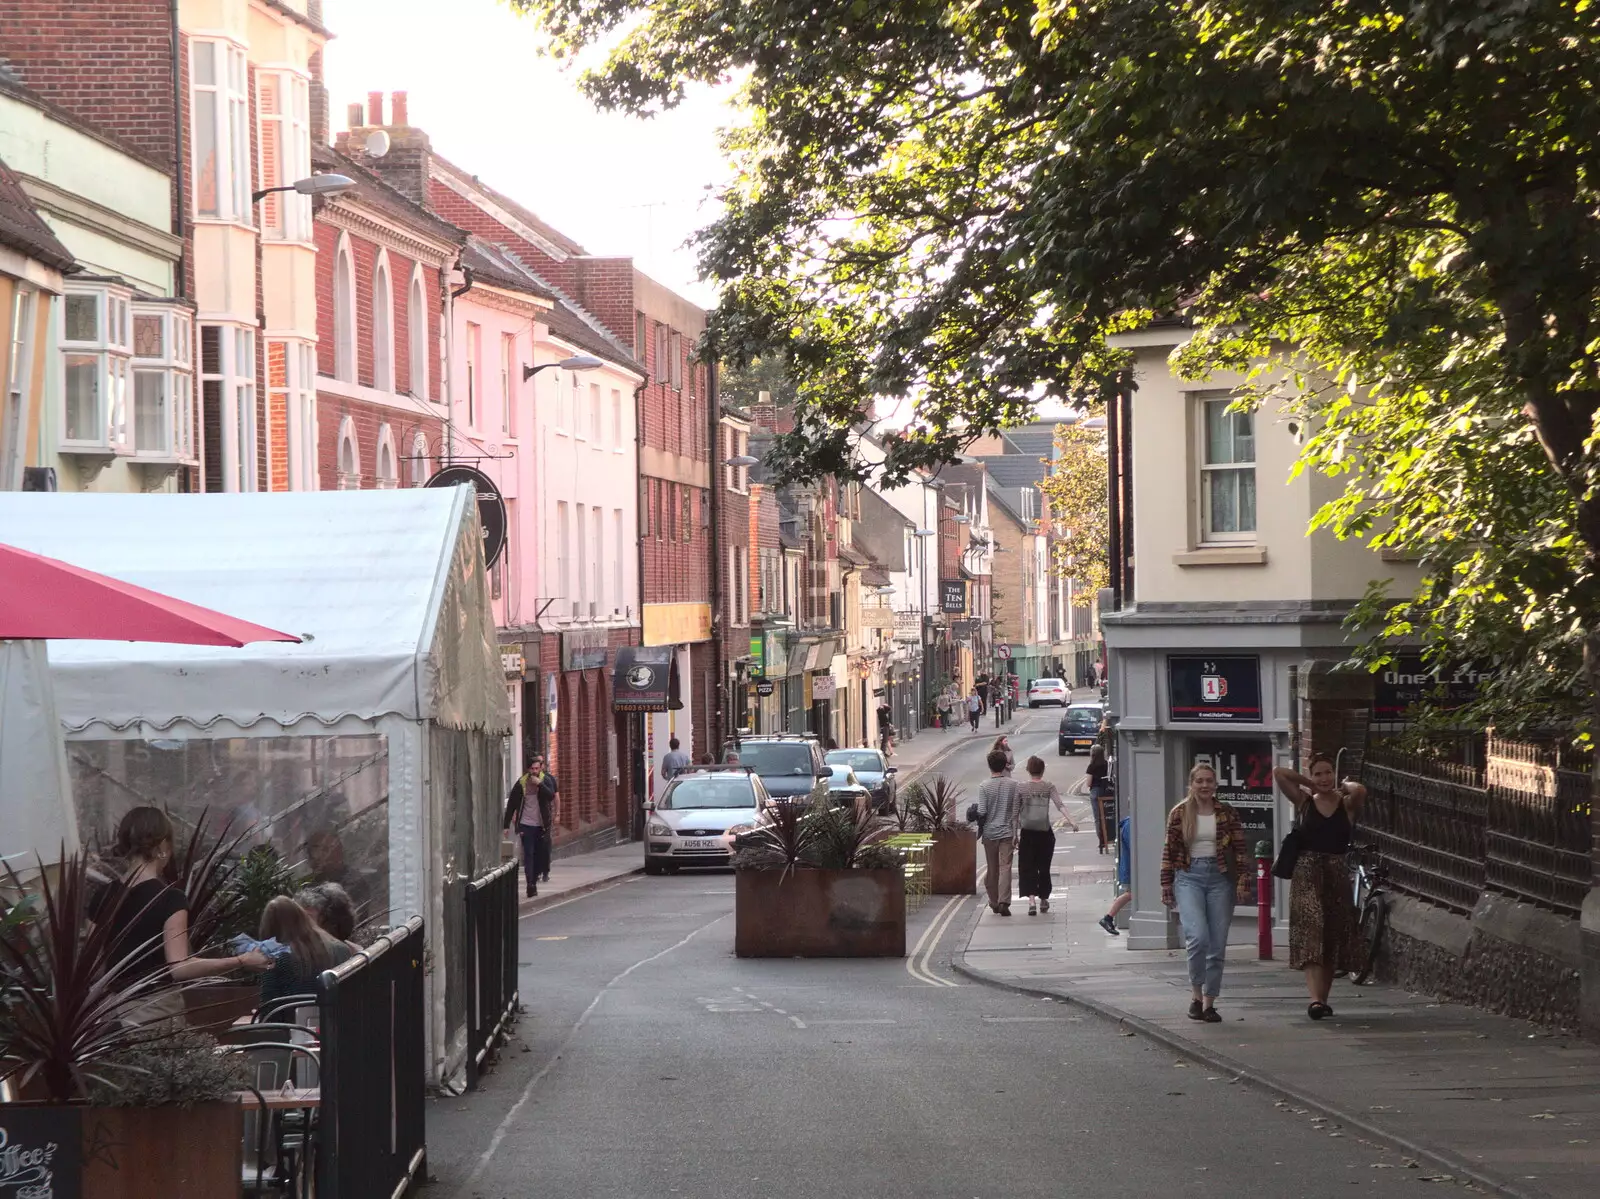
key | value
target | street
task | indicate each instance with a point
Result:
(651, 1061)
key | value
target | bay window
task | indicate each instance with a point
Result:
(96, 337)
(284, 118)
(163, 383)
(18, 383)
(220, 104)
(228, 388)
(296, 388)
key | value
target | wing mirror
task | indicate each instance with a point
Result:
(650, 805)
(892, 770)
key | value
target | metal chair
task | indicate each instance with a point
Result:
(275, 1143)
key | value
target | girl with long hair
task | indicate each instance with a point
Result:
(311, 950)
(1002, 746)
(149, 921)
(1203, 876)
(1322, 918)
(1099, 773)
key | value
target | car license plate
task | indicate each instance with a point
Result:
(1086, 742)
(703, 843)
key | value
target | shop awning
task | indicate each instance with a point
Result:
(646, 679)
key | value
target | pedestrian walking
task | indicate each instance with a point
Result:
(1004, 746)
(943, 705)
(1202, 875)
(674, 762)
(532, 821)
(1124, 878)
(1036, 839)
(974, 709)
(997, 826)
(148, 919)
(1099, 773)
(1322, 917)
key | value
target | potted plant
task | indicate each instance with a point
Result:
(106, 1109)
(818, 881)
(953, 860)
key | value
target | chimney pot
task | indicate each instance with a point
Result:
(397, 109)
(352, 117)
(375, 108)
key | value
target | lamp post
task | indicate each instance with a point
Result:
(312, 185)
(721, 621)
(578, 362)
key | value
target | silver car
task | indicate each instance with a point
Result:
(845, 789)
(696, 818)
(872, 771)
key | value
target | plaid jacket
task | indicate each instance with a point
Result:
(1230, 850)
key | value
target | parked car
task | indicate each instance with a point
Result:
(873, 771)
(845, 789)
(790, 766)
(1049, 691)
(696, 818)
(1080, 728)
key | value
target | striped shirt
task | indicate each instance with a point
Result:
(998, 801)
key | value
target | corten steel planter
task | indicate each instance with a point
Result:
(129, 1152)
(953, 862)
(819, 914)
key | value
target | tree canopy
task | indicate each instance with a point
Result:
(955, 203)
(1077, 492)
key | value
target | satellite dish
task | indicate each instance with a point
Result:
(377, 143)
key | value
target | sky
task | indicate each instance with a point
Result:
(493, 105)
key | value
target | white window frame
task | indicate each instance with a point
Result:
(229, 127)
(616, 419)
(300, 402)
(386, 463)
(18, 384)
(419, 458)
(1205, 469)
(283, 121)
(597, 432)
(110, 355)
(508, 355)
(581, 529)
(675, 364)
(417, 334)
(382, 324)
(563, 551)
(618, 541)
(577, 406)
(173, 368)
(344, 312)
(348, 464)
(234, 381)
(474, 351)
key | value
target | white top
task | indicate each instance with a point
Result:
(1204, 844)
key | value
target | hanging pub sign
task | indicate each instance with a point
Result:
(1244, 782)
(1408, 681)
(952, 595)
(1208, 690)
(764, 688)
(491, 508)
(645, 679)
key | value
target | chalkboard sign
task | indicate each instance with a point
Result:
(1206, 689)
(41, 1152)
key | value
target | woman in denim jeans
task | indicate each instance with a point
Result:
(1202, 874)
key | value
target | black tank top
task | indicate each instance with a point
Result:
(1324, 834)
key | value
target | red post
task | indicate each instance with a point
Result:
(1263, 902)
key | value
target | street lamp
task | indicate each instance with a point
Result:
(312, 185)
(578, 362)
(741, 460)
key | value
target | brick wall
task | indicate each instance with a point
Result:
(590, 808)
(676, 565)
(107, 62)
(605, 288)
(368, 419)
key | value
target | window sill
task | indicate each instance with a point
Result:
(1222, 555)
(87, 450)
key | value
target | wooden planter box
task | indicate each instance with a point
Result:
(134, 1152)
(953, 863)
(819, 914)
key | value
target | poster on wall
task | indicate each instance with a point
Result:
(1216, 690)
(1408, 680)
(1244, 783)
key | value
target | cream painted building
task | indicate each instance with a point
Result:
(1235, 616)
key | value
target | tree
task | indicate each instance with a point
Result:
(1395, 199)
(1076, 492)
(742, 384)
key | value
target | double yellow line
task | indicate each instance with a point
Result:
(919, 961)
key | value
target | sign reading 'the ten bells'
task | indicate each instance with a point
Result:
(1206, 690)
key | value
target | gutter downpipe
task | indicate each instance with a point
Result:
(719, 627)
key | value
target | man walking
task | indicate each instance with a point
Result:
(532, 821)
(998, 801)
(674, 761)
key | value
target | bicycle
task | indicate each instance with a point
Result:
(1368, 882)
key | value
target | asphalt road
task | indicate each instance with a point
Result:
(652, 1062)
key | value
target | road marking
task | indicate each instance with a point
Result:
(911, 958)
(797, 1022)
(566, 1042)
(562, 938)
(563, 903)
(1027, 1019)
(922, 971)
(831, 1022)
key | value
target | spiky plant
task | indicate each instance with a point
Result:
(845, 838)
(934, 806)
(779, 842)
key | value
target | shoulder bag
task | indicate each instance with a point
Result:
(1288, 850)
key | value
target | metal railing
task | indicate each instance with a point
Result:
(492, 996)
(1510, 817)
(372, 1141)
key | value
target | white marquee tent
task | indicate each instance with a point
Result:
(370, 751)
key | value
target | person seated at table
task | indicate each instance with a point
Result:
(330, 906)
(311, 951)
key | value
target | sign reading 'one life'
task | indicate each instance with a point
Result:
(1214, 690)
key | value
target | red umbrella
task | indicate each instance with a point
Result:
(45, 599)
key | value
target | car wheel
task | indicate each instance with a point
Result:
(652, 867)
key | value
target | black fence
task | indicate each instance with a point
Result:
(492, 997)
(1485, 814)
(372, 1143)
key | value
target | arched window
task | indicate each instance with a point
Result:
(382, 326)
(344, 314)
(349, 457)
(388, 476)
(417, 336)
(419, 459)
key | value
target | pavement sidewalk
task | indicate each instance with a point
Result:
(1473, 1097)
